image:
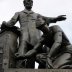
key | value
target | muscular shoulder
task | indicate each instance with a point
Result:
(56, 28)
(20, 12)
(17, 13)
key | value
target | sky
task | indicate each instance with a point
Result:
(49, 8)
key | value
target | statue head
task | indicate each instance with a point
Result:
(28, 4)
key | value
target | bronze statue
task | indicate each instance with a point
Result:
(27, 19)
(29, 36)
(48, 38)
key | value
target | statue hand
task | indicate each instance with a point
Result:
(29, 54)
(49, 63)
(39, 20)
(61, 17)
(19, 57)
(3, 25)
(4, 22)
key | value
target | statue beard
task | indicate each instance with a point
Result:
(28, 7)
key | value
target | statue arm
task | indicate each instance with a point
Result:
(54, 19)
(13, 20)
(57, 43)
(33, 51)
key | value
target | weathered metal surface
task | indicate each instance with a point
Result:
(8, 45)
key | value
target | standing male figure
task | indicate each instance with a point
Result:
(29, 34)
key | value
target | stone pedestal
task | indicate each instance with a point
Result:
(8, 45)
(38, 70)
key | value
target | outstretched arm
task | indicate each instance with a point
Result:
(54, 19)
(34, 51)
(57, 42)
(54, 48)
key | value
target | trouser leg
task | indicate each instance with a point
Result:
(31, 61)
(26, 63)
(61, 60)
(22, 48)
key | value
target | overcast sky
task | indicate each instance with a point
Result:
(49, 8)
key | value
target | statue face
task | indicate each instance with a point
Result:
(28, 4)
